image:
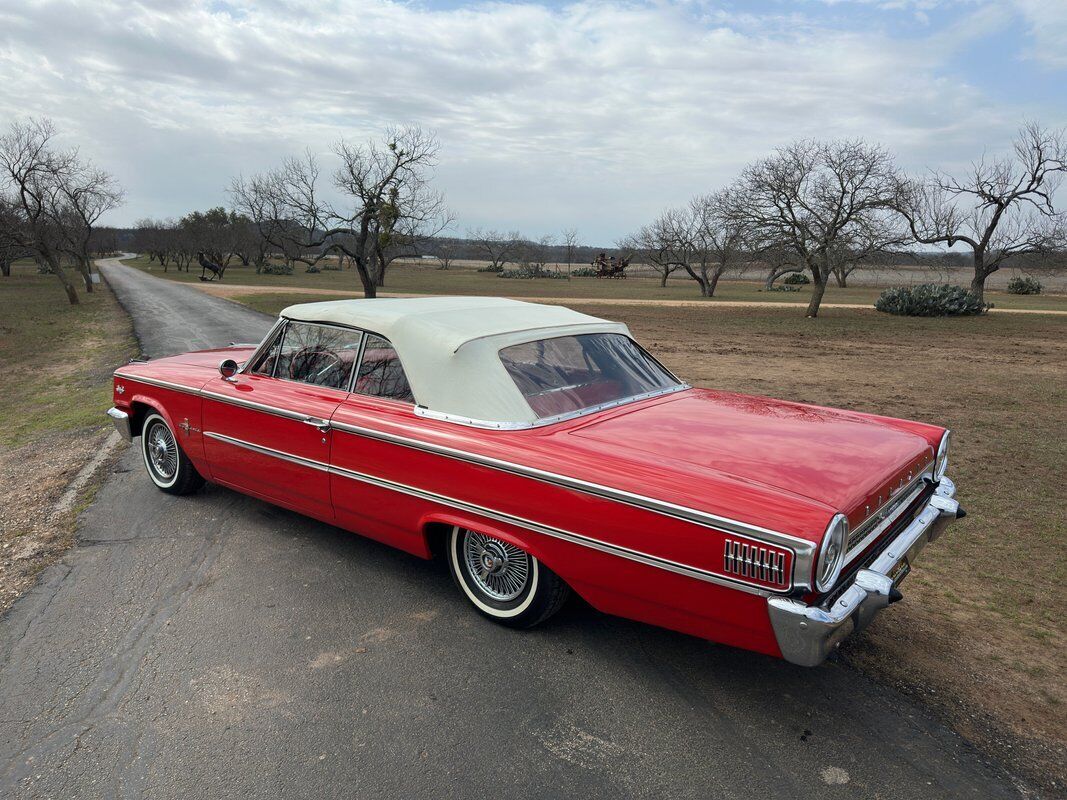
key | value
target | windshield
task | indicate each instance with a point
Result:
(572, 373)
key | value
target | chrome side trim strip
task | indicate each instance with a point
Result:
(557, 533)
(799, 546)
(269, 451)
(499, 516)
(157, 382)
(422, 411)
(237, 401)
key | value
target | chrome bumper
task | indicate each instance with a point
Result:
(808, 634)
(121, 421)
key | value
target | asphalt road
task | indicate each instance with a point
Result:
(217, 646)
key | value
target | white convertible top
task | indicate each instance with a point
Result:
(449, 346)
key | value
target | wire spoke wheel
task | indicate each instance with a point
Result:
(162, 452)
(497, 568)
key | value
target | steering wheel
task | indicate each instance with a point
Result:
(313, 356)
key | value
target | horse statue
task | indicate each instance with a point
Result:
(205, 266)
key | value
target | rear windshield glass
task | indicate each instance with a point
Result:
(572, 373)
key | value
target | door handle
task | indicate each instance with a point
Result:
(323, 426)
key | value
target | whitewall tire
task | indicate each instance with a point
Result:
(502, 581)
(167, 464)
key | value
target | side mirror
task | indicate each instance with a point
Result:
(227, 369)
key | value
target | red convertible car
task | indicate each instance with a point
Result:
(542, 451)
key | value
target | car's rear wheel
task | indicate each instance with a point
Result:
(502, 581)
(167, 464)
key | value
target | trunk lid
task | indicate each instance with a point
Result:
(841, 459)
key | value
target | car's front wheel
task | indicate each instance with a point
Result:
(168, 465)
(502, 581)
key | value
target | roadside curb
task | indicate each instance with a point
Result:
(86, 474)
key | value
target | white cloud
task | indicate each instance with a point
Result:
(593, 115)
(1048, 27)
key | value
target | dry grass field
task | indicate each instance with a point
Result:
(981, 634)
(417, 279)
(55, 377)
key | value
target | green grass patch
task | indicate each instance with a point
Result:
(56, 359)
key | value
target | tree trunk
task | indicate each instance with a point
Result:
(714, 283)
(663, 280)
(817, 290)
(68, 287)
(842, 278)
(5, 268)
(980, 274)
(370, 284)
(86, 270)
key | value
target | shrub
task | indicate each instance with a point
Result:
(491, 268)
(797, 279)
(1024, 284)
(277, 269)
(583, 272)
(783, 289)
(524, 273)
(930, 300)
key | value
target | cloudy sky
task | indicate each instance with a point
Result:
(593, 115)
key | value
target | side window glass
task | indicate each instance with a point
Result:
(380, 372)
(269, 359)
(317, 354)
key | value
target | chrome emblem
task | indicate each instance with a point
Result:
(120, 389)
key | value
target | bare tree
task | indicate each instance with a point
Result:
(658, 245)
(810, 197)
(497, 248)
(570, 246)
(1003, 207)
(446, 253)
(865, 245)
(88, 193)
(11, 247)
(700, 238)
(538, 252)
(385, 186)
(716, 240)
(52, 200)
(779, 260)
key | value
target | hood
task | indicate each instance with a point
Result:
(839, 459)
(209, 358)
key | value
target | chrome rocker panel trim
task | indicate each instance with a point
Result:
(121, 421)
(808, 634)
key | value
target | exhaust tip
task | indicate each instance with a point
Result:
(960, 513)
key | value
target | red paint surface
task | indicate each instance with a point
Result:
(776, 465)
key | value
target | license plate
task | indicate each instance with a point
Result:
(900, 571)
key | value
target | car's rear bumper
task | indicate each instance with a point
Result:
(808, 634)
(121, 421)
